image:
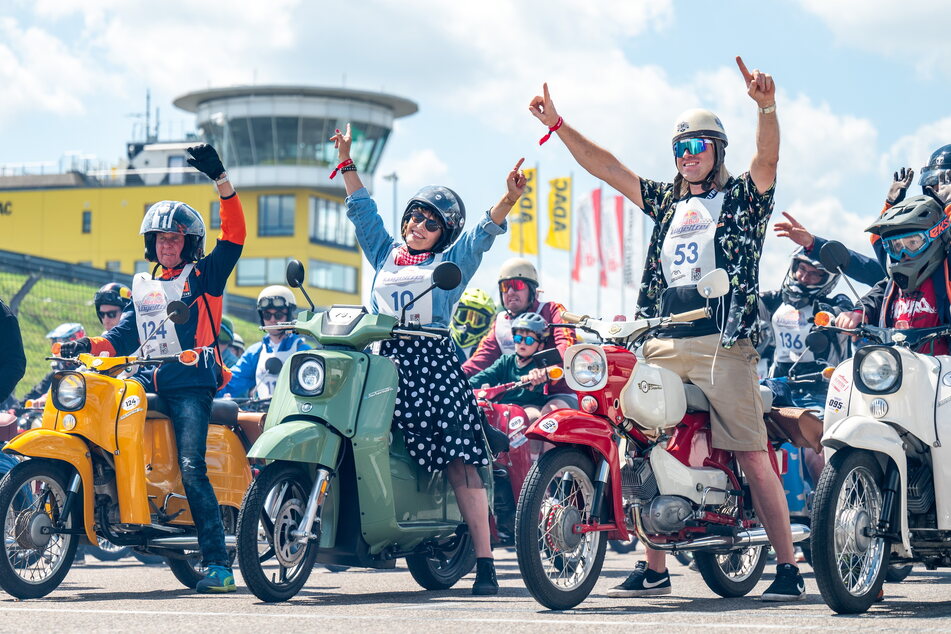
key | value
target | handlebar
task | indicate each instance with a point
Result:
(691, 315)
(572, 318)
(433, 332)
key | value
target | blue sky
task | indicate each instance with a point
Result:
(862, 86)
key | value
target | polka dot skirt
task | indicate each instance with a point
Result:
(435, 408)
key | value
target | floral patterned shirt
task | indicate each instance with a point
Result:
(740, 234)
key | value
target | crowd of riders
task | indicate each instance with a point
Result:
(705, 217)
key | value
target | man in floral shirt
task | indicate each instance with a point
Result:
(706, 219)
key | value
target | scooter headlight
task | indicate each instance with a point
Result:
(69, 392)
(588, 368)
(877, 370)
(308, 376)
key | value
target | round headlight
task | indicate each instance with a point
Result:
(71, 392)
(587, 368)
(879, 370)
(310, 376)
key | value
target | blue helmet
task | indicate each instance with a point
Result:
(448, 208)
(530, 321)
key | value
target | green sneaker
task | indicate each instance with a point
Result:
(218, 579)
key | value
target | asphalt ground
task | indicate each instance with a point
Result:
(128, 596)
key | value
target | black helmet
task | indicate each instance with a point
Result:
(915, 236)
(940, 161)
(448, 208)
(798, 294)
(113, 294)
(171, 216)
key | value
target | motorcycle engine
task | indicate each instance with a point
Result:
(666, 514)
(637, 480)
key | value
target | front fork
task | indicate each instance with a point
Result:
(315, 502)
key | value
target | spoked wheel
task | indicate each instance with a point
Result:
(450, 563)
(107, 551)
(35, 560)
(190, 571)
(559, 566)
(732, 574)
(274, 564)
(850, 565)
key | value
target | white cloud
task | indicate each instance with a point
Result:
(914, 150)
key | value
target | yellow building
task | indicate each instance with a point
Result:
(273, 142)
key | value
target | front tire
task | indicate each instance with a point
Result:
(273, 564)
(442, 571)
(850, 566)
(732, 574)
(559, 566)
(190, 571)
(31, 500)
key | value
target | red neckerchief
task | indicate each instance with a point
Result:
(404, 258)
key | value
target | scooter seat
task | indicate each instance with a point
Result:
(223, 411)
(697, 400)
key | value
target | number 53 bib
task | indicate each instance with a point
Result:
(689, 250)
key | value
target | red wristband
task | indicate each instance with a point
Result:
(554, 128)
(342, 165)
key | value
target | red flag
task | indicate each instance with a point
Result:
(602, 255)
(585, 256)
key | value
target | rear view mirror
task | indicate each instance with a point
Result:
(834, 256)
(294, 274)
(714, 284)
(546, 358)
(447, 276)
(177, 312)
(817, 342)
(273, 365)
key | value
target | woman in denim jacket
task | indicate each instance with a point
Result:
(435, 408)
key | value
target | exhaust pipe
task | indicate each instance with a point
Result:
(185, 542)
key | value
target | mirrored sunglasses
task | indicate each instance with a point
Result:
(512, 285)
(528, 339)
(431, 225)
(693, 146)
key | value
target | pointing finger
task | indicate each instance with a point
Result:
(746, 73)
(519, 164)
(792, 220)
(545, 92)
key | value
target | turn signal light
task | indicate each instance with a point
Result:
(56, 348)
(828, 372)
(188, 357)
(555, 373)
(822, 318)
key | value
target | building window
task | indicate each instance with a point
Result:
(113, 265)
(333, 277)
(261, 271)
(175, 174)
(87, 221)
(215, 215)
(276, 215)
(329, 223)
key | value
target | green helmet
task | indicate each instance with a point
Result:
(472, 317)
(915, 236)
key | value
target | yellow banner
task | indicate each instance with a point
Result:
(559, 214)
(523, 220)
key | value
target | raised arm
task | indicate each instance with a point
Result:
(762, 90)
(598, 161)
(351, 179)
(515, 187)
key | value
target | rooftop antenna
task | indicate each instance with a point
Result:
(148, 113)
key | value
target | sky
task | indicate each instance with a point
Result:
(861, 89)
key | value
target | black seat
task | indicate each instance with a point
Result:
(223, 411)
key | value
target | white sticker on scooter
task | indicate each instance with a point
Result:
(131, 403)
(835, 404)
(549, 426)
(516, 422)
(946, 379)
(840, 383)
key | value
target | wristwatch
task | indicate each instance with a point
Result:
(768, 109)
(221, 180)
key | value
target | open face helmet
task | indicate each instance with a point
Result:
(518, 270)
(800, 294)
(448, 208)
(171, 216)
(472, 317)
(692, 130)
(277, 297)
(915, 236)
(66, 332)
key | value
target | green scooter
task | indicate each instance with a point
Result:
(339, 486)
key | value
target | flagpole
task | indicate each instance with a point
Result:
(571, 242)
(622, 225)
(598, 241)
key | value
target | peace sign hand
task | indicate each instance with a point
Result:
(543, 108)
(342, 142)
(516, 183)
(793, 229)
(759, 86)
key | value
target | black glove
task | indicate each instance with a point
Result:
(896, 193)
(205, 159)
(70, 349)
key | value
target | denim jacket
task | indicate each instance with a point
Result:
(377, 244)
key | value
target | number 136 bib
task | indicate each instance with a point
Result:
(689, 250)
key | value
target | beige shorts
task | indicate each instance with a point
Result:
(736, 408)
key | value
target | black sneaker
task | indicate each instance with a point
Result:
(485, 581)
(643, 582)
(787, 586)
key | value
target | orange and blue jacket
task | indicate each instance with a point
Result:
(202, 292)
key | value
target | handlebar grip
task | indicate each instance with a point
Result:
(691, 315)
(571, 318)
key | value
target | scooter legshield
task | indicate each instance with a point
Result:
(55, 445)
(298, 441)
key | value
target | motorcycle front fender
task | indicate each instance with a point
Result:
(55, 445)
(566, 427)
(299, 441)
(863, 432)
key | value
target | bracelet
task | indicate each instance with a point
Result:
(554, 128)
(349, 168)
(768, 109)
(510, 202)
(339, 167)
(221, 180)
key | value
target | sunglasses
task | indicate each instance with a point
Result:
(431, 225)
(274, 314)
(693, 146)
(107, 314)
(914, 242)
(528, 339)
(512, 285)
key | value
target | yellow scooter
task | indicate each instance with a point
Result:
(104, 464)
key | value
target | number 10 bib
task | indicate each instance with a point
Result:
(396, 285)
(689, 251)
